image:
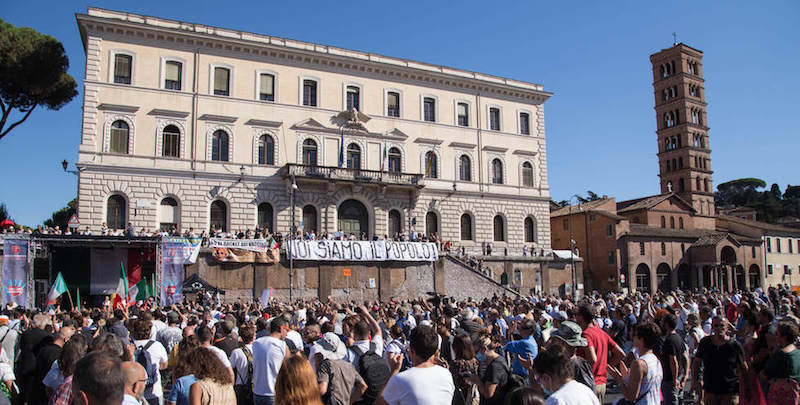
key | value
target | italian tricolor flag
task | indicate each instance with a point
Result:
(122, 288)
(59, 287)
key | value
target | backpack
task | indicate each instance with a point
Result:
(783, 391)
(244, 392)
(375, 372)
(142, 357)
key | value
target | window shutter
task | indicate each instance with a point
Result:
(173, 71)
(221, 76)
(267, 83)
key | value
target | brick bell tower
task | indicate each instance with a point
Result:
(684, 154)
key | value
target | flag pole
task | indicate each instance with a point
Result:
(72, 304)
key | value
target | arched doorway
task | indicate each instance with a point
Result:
(728, 255)
(728, 259)
(684, 277)
(642, 278)
(353, 218)
(755, 276)
(663, 279)
(431, 223)
(395, 224)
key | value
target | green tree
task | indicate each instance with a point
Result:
(739, 191)
(33, 72)
(62, 216)
(792, 192)
(590, 196)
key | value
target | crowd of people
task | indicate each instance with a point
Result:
(666, 348)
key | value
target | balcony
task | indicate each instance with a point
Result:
(361, 176)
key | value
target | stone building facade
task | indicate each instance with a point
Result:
(191, 126)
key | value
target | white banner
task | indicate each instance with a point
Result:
(255, 245)
(190, 246)
(379, 250)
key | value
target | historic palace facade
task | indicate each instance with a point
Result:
(187, 125)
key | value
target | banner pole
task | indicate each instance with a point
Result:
(71, 304)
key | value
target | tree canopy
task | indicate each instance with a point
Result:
(62, 216)
(770, 205)
(33, 68)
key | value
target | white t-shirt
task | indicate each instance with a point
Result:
(239, 364)
(573, 393)
(220, 355)
(157, 355)
(268, 354)
(420, 386)
(364, 345)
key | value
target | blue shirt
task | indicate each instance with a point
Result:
(524, 347)
(180, 391)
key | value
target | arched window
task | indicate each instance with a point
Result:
(705, 185)
(310, 219)
(530, 230)
(171, 141)
(266, 150)
(497, 171)
(168, 215)
(499, 228)
(219, 146)
(431, 223)
(116, 212)
(120, 133)
(680, 222)
(663, 222)
(697, 184)
(395, 223)
(466, 227)
(309, 152)
(681, 185)
(527, 174)
(353, 156)
(464, 168)
(672, 222)
(430, 165)
(395, 158)
(219, 216)
(265, 217)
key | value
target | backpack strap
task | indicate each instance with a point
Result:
(147, 346)
(357, 351)
(249, 357)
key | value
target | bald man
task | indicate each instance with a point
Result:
(135, 381)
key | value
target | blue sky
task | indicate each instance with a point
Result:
(593, 55)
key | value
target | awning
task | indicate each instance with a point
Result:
(195, 283)
(565, 254)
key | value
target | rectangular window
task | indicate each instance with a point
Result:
(791, 248)
(753, 252)
(429, 109)
(266, 87)
(172, 75)
(524, 124)
(222, 81)
(463, 114)
(769, 269)
(566, 224)
(122, 69)
(609, 230)
(769, 245)
(310, 93)
(641, 248)
(663, 249)
(353, 98)
(592, 217)
(393, 104)
(787, 270)
(778, 244)
(611, 258)
(494, 119)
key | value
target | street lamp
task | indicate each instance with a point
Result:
(65, 165)
(291, 238)
(572, 248)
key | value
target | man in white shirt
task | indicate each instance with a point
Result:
(242, 363)
(268, 354)
(205, 336)
(426, 383)
(157, 356)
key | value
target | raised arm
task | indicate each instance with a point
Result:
(373, 324)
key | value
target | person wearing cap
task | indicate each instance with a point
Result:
(569, 336)
(339, 382)
(170, 336)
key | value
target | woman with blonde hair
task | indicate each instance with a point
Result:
(297, 383)
(214, 383)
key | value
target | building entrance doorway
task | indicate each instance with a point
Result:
(353, 218)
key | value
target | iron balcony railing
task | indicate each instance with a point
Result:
(353, 175)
